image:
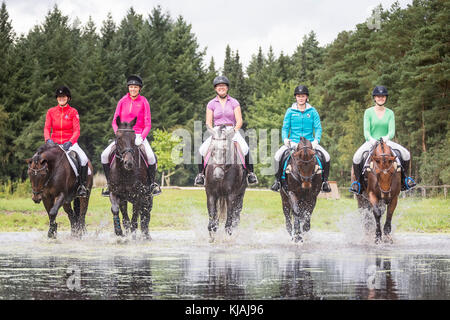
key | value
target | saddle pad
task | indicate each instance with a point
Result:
(75, 163)
(143, 155)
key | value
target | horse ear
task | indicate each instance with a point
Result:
(118, 121)
(133, 122)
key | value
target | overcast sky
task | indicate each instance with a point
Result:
(243, 24)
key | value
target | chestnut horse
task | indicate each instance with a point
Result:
(299, 196)
(382, 186)
(54, 182)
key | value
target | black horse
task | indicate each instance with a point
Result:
(300, 189)
(54, 182)
(225, 181)
(128, 182)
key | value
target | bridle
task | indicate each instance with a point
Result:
(384, 171)
(45, 167)
(120, 154)
(301, 177)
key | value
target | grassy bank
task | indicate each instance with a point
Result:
(186, 210)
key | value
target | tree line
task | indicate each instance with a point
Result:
(408, 53)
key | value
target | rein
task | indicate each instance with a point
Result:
(120, 154)
(302, 177)
(35, 172)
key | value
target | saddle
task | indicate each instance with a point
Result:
(142, 153)
(241, 155)
(285, 162)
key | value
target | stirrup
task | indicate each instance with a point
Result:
(199, 180)
(82, 191)
(409, 183)
(326, 187)
(251, 178)
(155, 189)
(353, 190)
(105, 193)
(276, 186)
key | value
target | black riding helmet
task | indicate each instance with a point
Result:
(134, 80)
(379, 91)
(63, 91)
(221, 79)
(301, 89)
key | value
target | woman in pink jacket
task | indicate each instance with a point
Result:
(131, 106)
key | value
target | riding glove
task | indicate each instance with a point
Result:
(138, 141)
(50, 141)
(315, 143)
(287, 142)
(372, 141)
(385, 138)
(66, 146)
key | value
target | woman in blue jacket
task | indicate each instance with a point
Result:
(302, 120)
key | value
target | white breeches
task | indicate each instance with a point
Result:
(237, 137)
(80, 152)
(283, 148)
(357, 158)
(148, 150)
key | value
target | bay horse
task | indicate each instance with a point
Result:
(54, 183)
(128, 182)
(299, 192)
(225, 181)
(382, 180)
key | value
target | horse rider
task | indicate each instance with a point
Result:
(130, 106)
(225, 110)
(379, 122)
(301, 120)
(62, 126)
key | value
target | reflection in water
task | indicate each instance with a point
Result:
(186, 269)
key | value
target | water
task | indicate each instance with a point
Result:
(250, 265)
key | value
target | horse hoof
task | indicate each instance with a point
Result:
(147, 237)
(211, 237)
(388, 239)
(377, 240)
(298, 239)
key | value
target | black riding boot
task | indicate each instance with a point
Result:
(251, 177)
(200, 178)
(356, 185)
(325, 174)
(277, 184)
(106, 170)
(154, 187)
(407, 181)
(82, 190)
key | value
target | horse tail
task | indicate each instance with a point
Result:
(222, 209)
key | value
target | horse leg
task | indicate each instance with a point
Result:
(134, 219)
(387, 225)
(377, 215)
(52, 213)
(287, 215)
(145, 220)
(73, 218)
(309, 208)
(237, 210)
(213, 218)
(83, 206)
(298, 217)
(230, 200)
(123, 206)
(115, 212)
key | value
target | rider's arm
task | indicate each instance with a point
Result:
(391, 125)
(317, 127)
(238, 116)
(209, 117)
(116, 114)
(48, 126)
(147, 119)
(367, 134)
(75, 127)
(286, 125)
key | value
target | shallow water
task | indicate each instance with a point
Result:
(249, 265)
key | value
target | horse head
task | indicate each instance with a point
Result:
(125, 146)
(39, 171)
(220, 144)
(383, 165)
(303, 163)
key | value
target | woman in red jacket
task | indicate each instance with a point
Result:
(62, 126)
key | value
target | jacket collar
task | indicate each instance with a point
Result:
(294, 107)
(137, 97)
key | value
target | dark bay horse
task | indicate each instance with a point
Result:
(225, 181)
(299, 194)
(54, 182)
(128, 182)
(382, 186)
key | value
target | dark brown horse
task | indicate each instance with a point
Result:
(128, 182)
(383, 184)
(299, 194)
(54, 182)
(225, 181)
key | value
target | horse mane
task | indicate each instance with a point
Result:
(43, 148)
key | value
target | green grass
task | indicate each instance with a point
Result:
(186, 210)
